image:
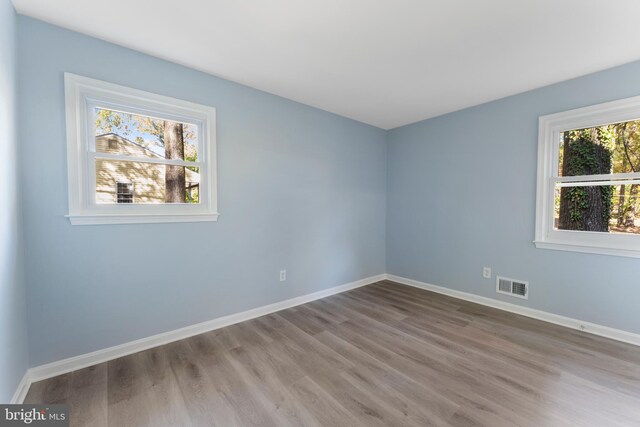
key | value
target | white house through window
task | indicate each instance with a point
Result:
(125, 137)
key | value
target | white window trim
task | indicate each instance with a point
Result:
(82, 94)
(550, 127)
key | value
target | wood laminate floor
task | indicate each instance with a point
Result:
(380, 355)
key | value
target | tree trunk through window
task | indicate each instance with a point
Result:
(585, 208)
(630, 212)
(628, 217)
(621, 207)
(174, 175)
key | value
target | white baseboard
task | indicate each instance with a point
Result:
(592, 328)
(64, 366)
(23, 388)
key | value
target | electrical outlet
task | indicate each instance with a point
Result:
(283, 275)
(486, 272)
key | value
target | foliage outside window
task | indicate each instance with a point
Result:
(588, 179)
(122, 140)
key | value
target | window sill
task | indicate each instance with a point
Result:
(601, 250)
(140, 219)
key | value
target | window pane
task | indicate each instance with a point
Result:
(606, 208)
(143, 136)
(613, 148)
(145, 183)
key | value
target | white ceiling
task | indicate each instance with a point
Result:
(383, 62)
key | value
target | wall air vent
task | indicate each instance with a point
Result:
(512, 287)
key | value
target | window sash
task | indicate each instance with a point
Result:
(559, 183)
(599, 177)
(578, 240)
(92, 156)
(105, 104)
(162, 208)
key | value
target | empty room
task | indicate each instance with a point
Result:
(320, 213)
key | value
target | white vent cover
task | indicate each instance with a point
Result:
(512, 287)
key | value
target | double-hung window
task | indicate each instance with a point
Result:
(588, 196)
(137, 157)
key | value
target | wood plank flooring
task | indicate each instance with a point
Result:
(381, 355)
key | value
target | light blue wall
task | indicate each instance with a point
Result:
(461, 195)
(299, 188)
(13, 314)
